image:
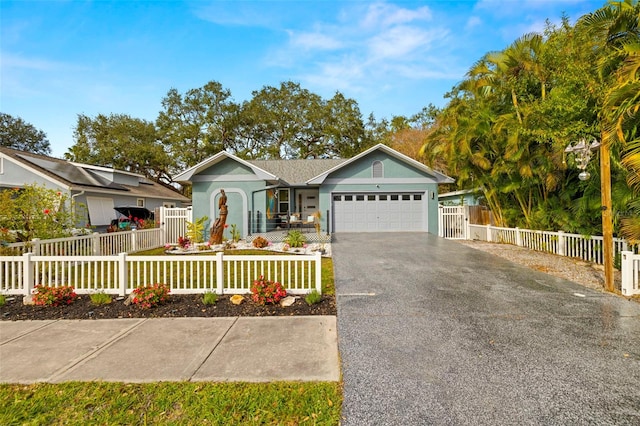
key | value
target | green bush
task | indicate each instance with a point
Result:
(100, 298)
(295, 239)
(209, 298)
(313, 297)
(3, 299)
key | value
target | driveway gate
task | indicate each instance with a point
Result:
(452, 222)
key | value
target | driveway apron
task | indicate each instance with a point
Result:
(434, 332)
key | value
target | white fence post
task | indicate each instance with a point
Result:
(35, 247)
(122, 273)
(219, 273)
(134, 241)
(27, 277)
(95, 242)
(518, 237)
(318, 262)
(489, 233)
(561, 244)
(629, 274)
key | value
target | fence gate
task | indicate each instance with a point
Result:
(452, 222)
(174, 222)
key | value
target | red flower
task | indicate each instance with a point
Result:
(226, 225)
(47, 211)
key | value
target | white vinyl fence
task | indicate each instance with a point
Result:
(585, 247)
(452, 222)
(588, 248)
(91, 245)
(630, 268)
(120, 274)
(174, 222)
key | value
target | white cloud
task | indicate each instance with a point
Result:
(401, 41)
(472, 22)
(382, 15)
(313, 41)
(9, 60)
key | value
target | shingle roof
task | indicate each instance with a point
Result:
(297, 172)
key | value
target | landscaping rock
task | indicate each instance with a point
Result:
(288, 301)
(236, 299)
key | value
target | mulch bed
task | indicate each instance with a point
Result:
(178, 306)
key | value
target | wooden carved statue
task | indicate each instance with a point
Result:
(217, 229)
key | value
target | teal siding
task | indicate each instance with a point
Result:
(392, 167)
(227, 167)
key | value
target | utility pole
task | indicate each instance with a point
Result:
(607, 218)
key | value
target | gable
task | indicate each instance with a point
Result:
(227, 167)
(388, 166)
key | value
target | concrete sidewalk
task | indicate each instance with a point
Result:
(248, 349)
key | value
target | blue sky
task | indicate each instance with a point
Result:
(59, 59)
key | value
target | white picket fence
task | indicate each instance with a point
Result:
(587, 248)
(173, 224)
(120, 274)
(92, 245)
(630, 271)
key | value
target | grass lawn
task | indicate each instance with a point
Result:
(176, 403)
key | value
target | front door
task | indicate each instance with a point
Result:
(307, 202)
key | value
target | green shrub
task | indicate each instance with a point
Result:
(295, 239)
(151, 295)
(3, 299)
(54, 296)
(100, 298)
(209, 298)
(260, 242)
(313, 297)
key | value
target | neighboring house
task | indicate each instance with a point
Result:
(466, 197)
(100, 189)
(376, 191)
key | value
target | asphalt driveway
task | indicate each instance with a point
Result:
(433, 332)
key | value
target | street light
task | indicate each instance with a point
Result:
(583, 153)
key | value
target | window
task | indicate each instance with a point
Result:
(283, 200)
(417, 197)
(394, 197)
(371, 197)
(382, 197)
(377, 171)
(140, 202)
(337, 198)
(406, 197)
(359, 197)
(348, 197)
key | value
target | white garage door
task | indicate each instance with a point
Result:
(385, 212)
